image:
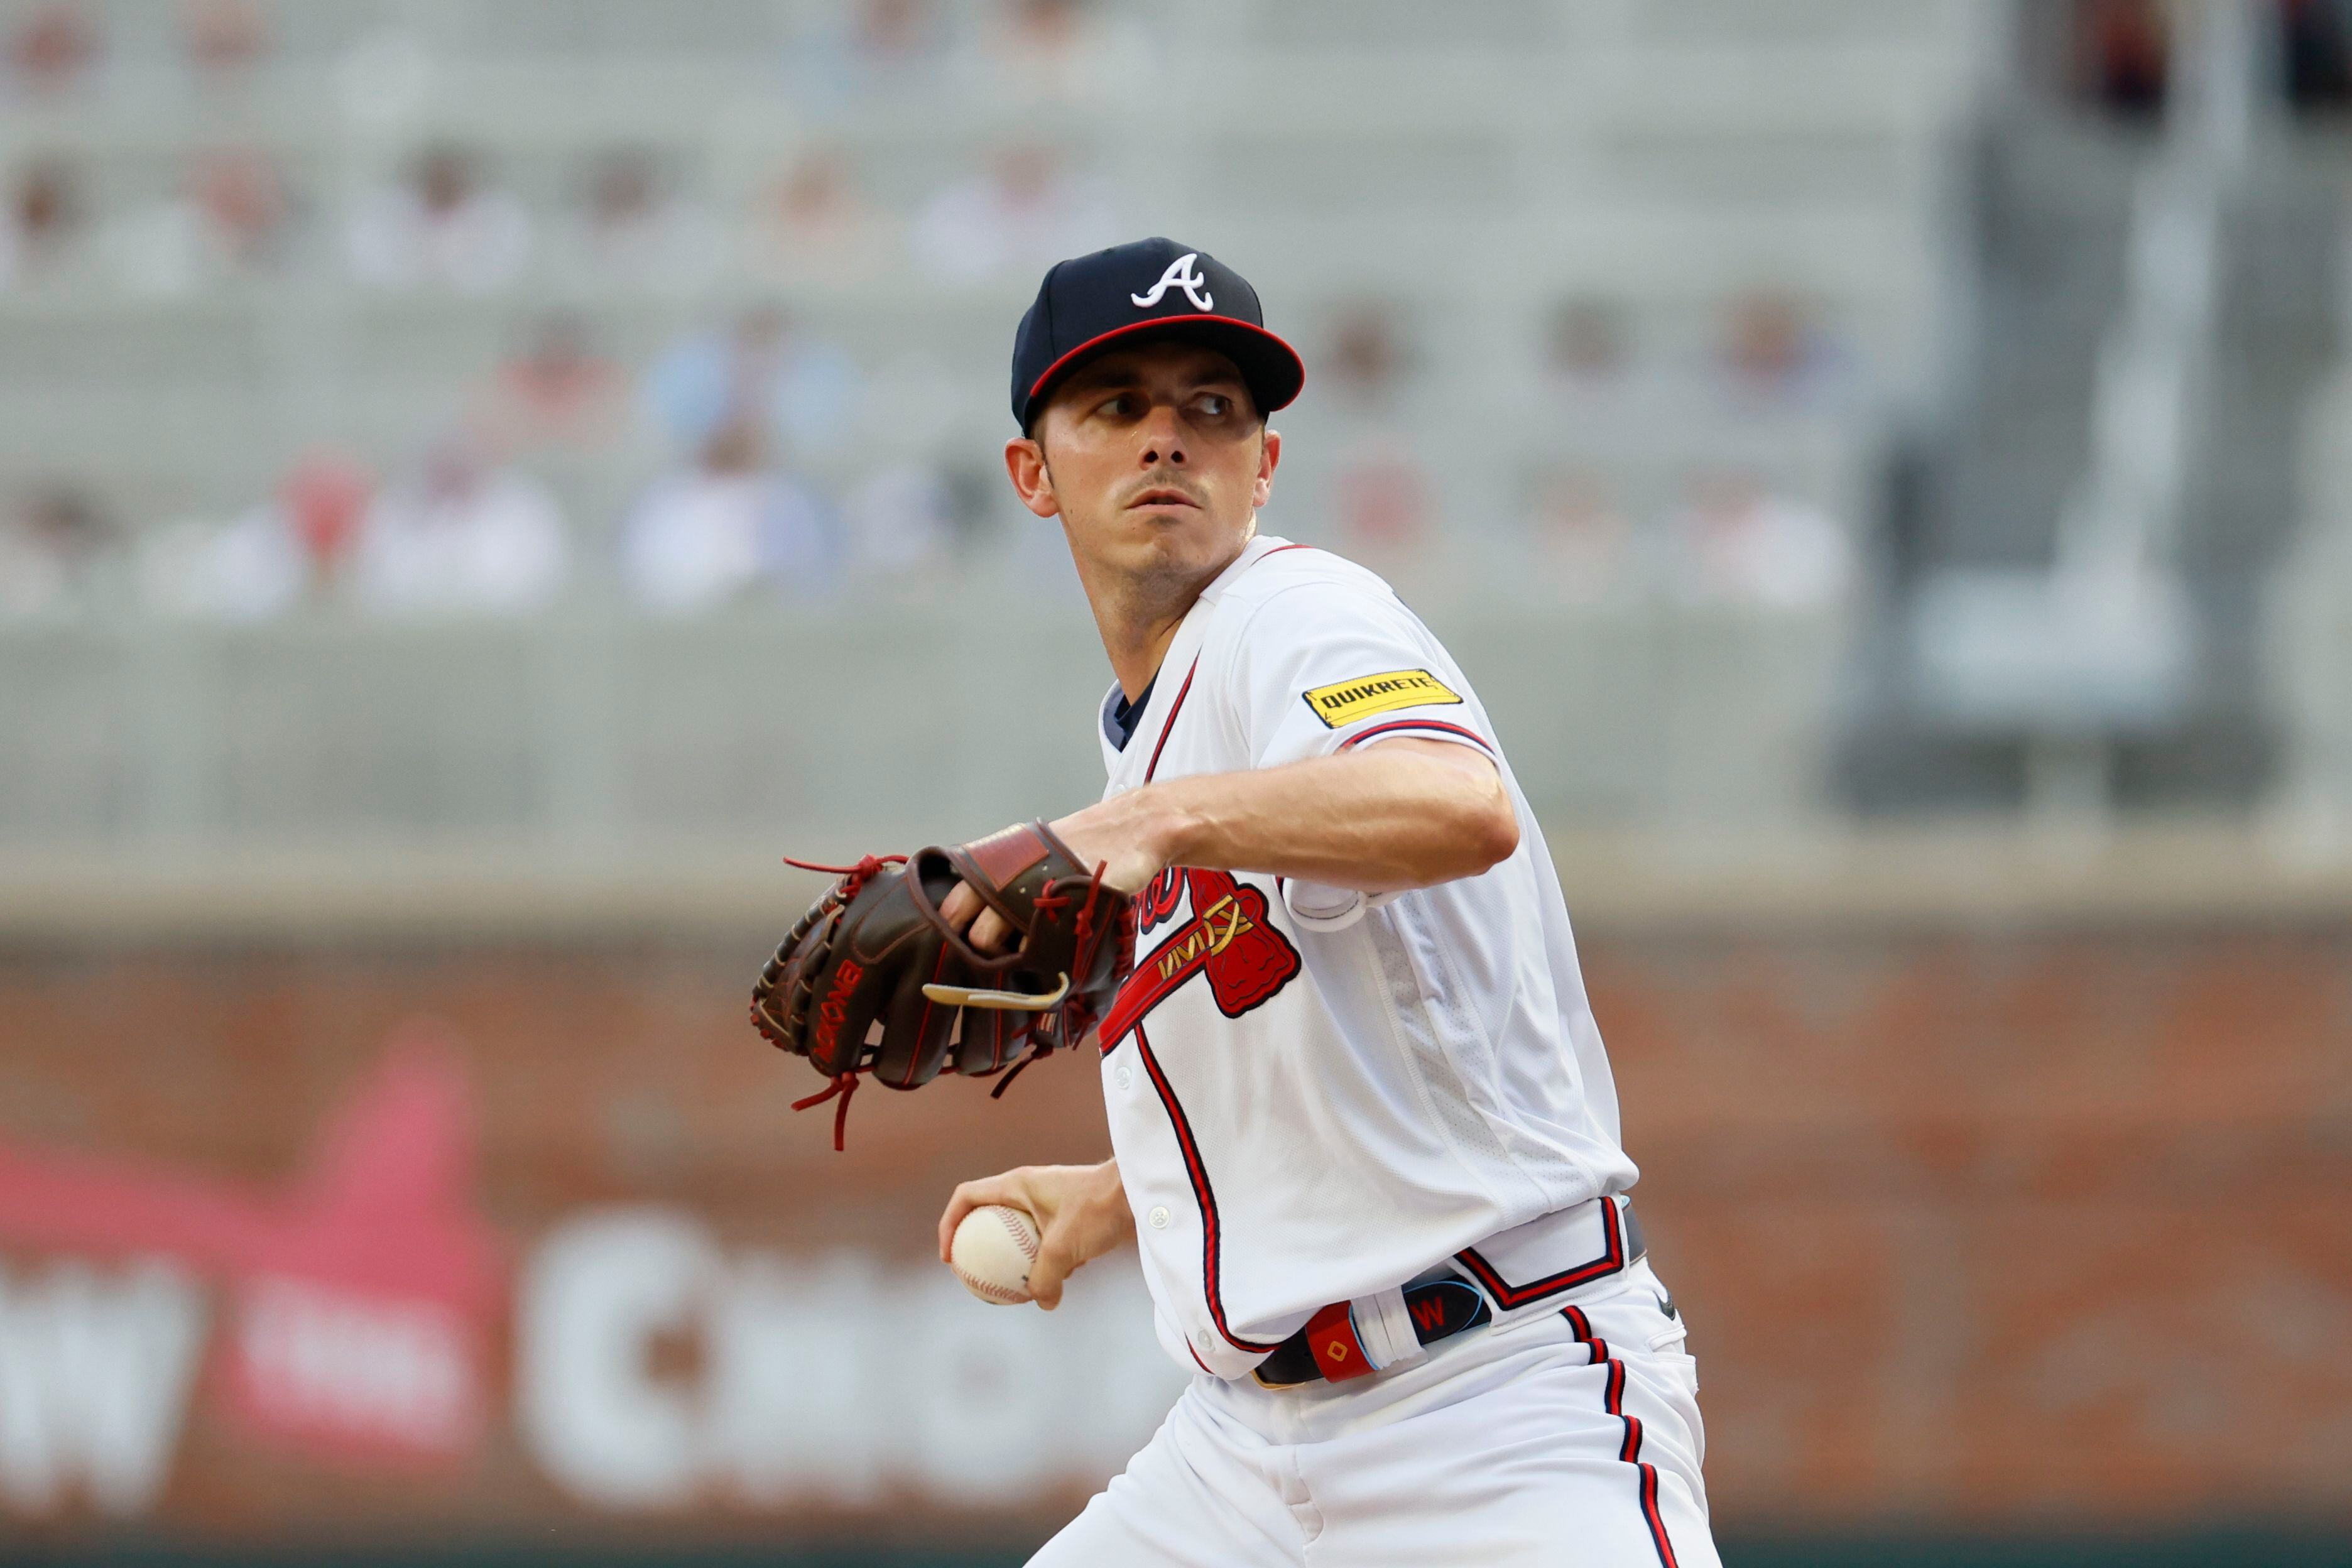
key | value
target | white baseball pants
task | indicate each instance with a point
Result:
(1570, 1438)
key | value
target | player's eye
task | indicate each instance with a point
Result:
(1215, 404)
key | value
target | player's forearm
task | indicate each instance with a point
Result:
(1396, 817)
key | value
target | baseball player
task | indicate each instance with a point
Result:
(1363, 1129)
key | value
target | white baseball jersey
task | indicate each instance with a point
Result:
(1315, 1096)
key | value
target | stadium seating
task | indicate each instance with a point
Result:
(1466, 167)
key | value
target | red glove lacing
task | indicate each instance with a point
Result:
(853, 878)
(845, 1085)
(852, 881)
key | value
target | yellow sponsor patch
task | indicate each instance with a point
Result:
(1345, 701)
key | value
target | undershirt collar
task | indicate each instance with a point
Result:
(1122, 717)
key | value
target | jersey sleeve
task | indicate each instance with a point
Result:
(1324, 667)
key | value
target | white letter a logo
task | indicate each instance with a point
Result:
(1179, 274)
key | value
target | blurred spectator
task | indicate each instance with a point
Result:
(895, 32)
(1583, 547)
(812, 226)
(2121, 54)
(1585, 350)
(440, 228)
(1020, 217)
(1385, 508)
(53, 46)
(245, 207)
(901, 523)
(460, 535)
(712, 531)
(555, 391)
(293, 547)
(234, 218)
(1365, 360)
(1735, 542)
(248, 570)
(888, 36)
(1380, 492)
(323, 500)
(1775, 355)
(855, 52)
(55, 552)
(1045, 29)
(2315, 41)
(42, 224)
(224, 41)
(1050, 50)
(801, 389)
(631, 232)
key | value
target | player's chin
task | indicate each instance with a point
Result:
(1177, 535)
(1163, 518)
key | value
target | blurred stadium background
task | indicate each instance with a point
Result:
(1885, 462)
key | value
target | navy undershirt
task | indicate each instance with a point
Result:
(1124, 716)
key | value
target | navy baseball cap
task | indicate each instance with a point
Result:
(1153, 288)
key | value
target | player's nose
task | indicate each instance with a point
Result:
(1164, 436)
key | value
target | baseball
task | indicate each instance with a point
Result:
(991, 1253)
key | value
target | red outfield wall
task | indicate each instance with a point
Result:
(1977, 1231)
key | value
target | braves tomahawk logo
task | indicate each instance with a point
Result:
(1228, 939)
(1181, 274)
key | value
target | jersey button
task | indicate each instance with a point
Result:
(1159, 1217)
(1123, 1077)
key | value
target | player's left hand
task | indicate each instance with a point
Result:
(1110, 835)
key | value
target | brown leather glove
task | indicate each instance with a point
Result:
(872, 980)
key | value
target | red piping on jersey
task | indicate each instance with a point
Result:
(1193, 1167)
(1199, 1172)
(1177, 707)
(1630, 1451)
(1509, 1296)
(1472, 736)
(1173, 709)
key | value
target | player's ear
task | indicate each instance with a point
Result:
(1033, 481)
(1269, 456)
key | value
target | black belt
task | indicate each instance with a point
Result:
(1440, 1308)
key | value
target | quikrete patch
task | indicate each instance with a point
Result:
(1346, 701)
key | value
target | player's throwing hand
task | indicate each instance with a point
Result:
(1081, 1213)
